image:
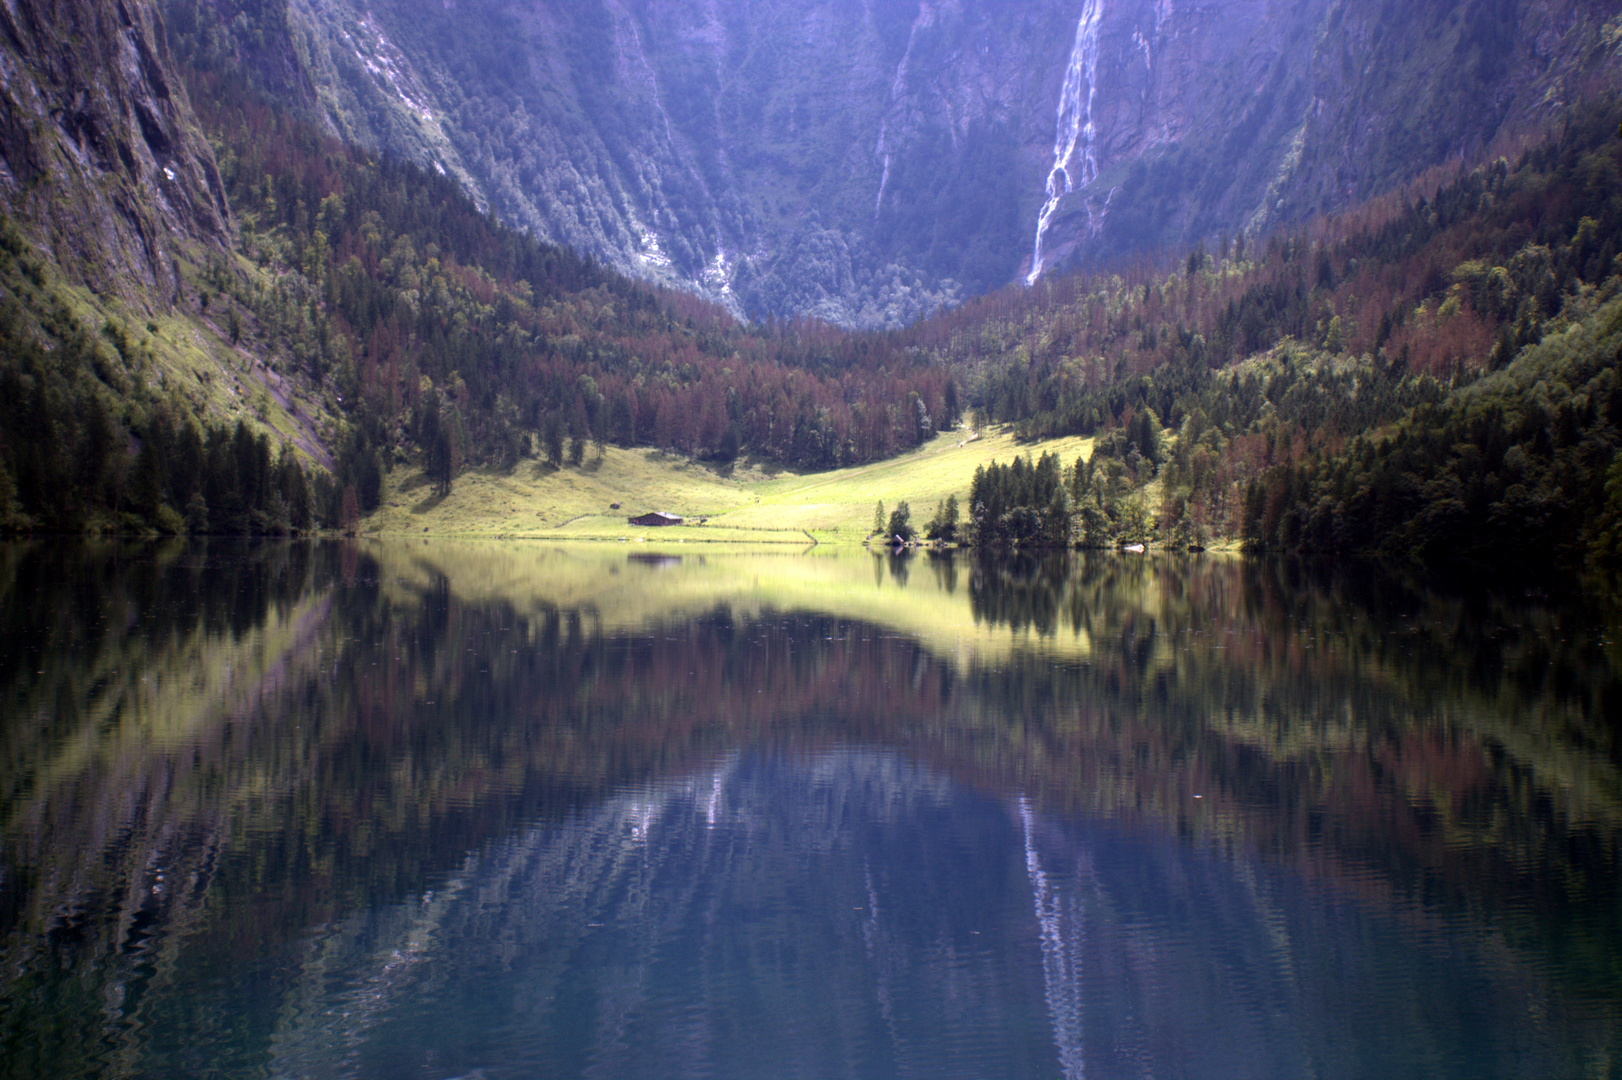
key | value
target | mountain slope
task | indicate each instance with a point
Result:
(126, 318)
(359, 311)
(97, 146)
(866, 163)
(1434, 380)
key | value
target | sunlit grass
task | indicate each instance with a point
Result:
(188, 359)
(744, 503)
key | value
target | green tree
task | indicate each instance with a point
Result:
(349, 513)
(900, 523)
(552, 439)
(1606, 546)
(943, 526)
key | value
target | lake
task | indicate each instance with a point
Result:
(438, 809)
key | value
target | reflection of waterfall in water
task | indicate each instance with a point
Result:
(1063, 927)
(1073, 125)
(637, 937)
(852, 913)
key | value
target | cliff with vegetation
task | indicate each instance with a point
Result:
(98, 149)
(122, 360)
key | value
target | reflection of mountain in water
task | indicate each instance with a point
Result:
(849, 914)
(205, 754)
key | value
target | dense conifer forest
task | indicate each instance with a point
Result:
(1432, 379)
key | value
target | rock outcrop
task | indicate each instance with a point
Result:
(101, 163)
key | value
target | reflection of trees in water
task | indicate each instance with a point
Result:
(121, 669)
(1279, 618)
(352, 738)
(1023, 591)
(1459, 744)
(369, 738)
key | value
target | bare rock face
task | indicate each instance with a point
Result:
(867, 161)
(1228, 115)
(100, 160)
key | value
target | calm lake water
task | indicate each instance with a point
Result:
(429, 809)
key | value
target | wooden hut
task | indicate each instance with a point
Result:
(658, 517)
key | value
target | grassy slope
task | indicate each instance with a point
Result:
(751, 504)
(193, 364)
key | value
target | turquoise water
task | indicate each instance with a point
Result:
(329, 811)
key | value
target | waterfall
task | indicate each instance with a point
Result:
(1061, 959)
(898, 86)
(1073, 125)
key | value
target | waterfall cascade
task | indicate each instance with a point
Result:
(1073, 128)
(898, 87)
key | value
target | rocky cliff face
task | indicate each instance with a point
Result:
(865, 162)
(1249, 114)
(100, 161)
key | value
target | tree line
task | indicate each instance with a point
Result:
(1430, 377)
(462, 343)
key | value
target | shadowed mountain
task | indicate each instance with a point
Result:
(866, 163)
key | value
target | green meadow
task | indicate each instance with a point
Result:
(747, 502)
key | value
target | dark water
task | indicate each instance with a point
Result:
(436, 810)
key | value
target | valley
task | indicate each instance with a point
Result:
(235, 297)
(1243, 382)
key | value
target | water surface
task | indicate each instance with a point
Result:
(508, 810)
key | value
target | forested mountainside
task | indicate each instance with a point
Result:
(111, 203)
(449, 334)
(1435, 378)
(867, 163)
(218, 315)
(349, 313)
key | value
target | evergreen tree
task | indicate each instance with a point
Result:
(899, 526)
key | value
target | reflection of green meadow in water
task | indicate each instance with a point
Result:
(207, 751)
(1284, 663)
(627, 591)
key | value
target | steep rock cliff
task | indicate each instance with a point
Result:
(866, 162)
(100, 161)
(1248, 114)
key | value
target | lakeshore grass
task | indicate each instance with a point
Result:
(747, 502)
